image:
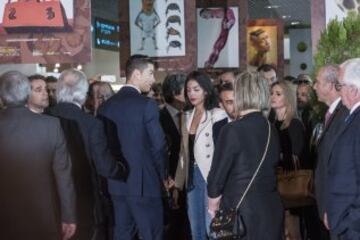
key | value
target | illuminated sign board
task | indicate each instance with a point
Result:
(106, 34)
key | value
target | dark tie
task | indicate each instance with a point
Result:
(179, 115)
(327, 118)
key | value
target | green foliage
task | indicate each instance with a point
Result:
(338, 43)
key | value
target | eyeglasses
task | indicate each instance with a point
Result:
(338, 86)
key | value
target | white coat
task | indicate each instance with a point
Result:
(203, 144)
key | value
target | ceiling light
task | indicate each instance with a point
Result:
(272, 6)
(295, 23)
(57, 65)
(286, 16)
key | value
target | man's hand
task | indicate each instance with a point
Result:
(326, 223)
(169, 183)
(68, 230)
(175, 196)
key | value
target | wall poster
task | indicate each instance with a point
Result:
(218, 37)
(262, 45)
(157, 27)
(45, 31)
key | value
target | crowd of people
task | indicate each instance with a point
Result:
(79, 161)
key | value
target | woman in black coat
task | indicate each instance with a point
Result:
(238, 152)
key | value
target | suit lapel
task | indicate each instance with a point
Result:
(346, 125)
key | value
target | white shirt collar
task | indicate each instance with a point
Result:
(355, 107)
(173, 111)
(334, 105)
(133, 86)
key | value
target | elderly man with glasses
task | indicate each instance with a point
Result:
(342, 205)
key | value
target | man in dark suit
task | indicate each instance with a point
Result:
(171, 121)
(37, 194)
(226, 96)
(90, 155)
(342, 208)
(132, 123)
(325, 89)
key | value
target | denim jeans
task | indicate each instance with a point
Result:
(197, 201)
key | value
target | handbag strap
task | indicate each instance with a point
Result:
(258, 168)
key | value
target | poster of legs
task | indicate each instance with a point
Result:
(157, 28)
(52, 31)
(218, 37)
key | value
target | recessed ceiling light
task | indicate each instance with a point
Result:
(295, 23)
(286, 16)
(272, 6)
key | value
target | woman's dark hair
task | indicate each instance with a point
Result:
(205, 83)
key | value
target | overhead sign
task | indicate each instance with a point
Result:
(107, 34)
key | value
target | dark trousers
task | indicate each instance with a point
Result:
(177, 224)
(142, 214)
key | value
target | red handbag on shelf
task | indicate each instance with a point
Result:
(34, 16)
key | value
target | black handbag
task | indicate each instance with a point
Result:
(228, 223)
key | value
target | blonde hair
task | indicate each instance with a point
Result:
(289, 91)
(251, 92)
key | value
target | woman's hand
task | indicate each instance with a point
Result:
(213, 205)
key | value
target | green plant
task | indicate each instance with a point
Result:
(340, 41)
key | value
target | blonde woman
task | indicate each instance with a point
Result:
(238, 153)
(292, 141)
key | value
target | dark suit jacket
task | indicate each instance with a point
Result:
(36, 187)
(173, 139)
(217, 128)
(343, 195)
(133, 126)
(90, 156)
(325, 145)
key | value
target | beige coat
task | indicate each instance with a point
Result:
(203, 144)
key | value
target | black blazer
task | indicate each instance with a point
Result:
(325, 145)
(238, 152)
(36, 187)
(217, 128)
(90, 156)
(173, 139)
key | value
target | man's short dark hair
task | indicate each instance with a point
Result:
(225, 87)
(139, 62)
(266, 68)
(172, 86)
(51, 79)
(36, 76)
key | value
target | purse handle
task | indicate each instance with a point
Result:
(258, 168)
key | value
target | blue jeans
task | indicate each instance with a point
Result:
(197, 201)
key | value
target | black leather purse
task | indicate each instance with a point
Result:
(228, 223)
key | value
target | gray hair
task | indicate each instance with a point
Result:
(251, 92)
(14, 88)
(72, 87)
(351, 72)
(330, 73)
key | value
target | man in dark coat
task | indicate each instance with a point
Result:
(325, 89)
(342, 208)
(136, 131)
(90, 156)
(37, 199)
